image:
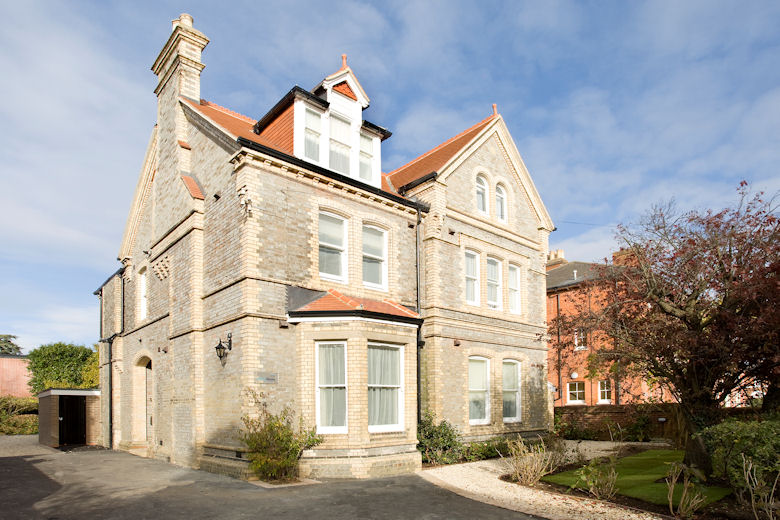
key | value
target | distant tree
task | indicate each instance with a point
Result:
(90, 372)
(7, 345)
(58, 365)
(694, 304)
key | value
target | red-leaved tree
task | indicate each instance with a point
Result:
(693, 303)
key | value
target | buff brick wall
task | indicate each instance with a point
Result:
(454, 225)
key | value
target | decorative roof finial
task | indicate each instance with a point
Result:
(343, 61)
(495, 109)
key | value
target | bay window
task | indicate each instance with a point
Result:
(331, 388)
(385, 394)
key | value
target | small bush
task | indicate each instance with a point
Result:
(438, 443)
(639, 429)
(758, 441)
(489, 449)
(528, 463)
(275, 444)
(598, 478)
(691, 498)
(18, 415)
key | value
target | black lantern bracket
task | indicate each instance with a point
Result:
(223, 347)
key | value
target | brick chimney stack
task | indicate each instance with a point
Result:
(555, 258)
(179, 60)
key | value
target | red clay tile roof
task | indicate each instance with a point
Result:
(192, 187)
(277, 135)
(434, 159)
(343, 88)
(335, 301)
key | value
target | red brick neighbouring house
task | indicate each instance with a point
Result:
(14, 376)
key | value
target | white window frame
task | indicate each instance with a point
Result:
(513, 293)
(344, 249)
(380, 428)
(486, 420)
(518, 401)
(383, 285)
(143, 296)
(577, 334)
(475, 278)
(605, 386)
(498, 304)
(569, 400)
(362, 154)
(317, 133)
(345, 120)
(501, 203)
(331, 429)
(482, 186)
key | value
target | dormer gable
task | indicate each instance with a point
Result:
(344, 83)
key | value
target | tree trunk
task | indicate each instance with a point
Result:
(771, 401)
(697, 418)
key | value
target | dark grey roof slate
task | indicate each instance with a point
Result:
(563, 275)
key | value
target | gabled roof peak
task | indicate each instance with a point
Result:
(347, 82)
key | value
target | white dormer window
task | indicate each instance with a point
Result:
(366, 158)
(312, 136)
(339, 144)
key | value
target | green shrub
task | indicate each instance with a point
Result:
(438, 443)
(488, 449)
(759, 441)
(275, 444)
(572, 429)
(598, 478)
(18, 415)
(638, 429)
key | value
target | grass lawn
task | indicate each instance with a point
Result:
(637, 475)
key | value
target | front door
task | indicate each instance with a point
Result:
(73, 419)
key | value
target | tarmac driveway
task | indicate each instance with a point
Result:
(37, 482)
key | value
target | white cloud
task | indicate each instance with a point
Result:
(54, 323)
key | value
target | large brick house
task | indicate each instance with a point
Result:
(358, 297)
(567, 295)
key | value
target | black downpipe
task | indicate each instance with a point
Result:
(558, 320)
(420, 341)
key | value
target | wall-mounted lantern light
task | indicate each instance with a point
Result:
(222, 348)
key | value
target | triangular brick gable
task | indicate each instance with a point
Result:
(343, 88)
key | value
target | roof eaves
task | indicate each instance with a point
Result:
(383, 132)
(330, 174)
(283, 103)
(118, 272)
(420, 180)
(357, 313)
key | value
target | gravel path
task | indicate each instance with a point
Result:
(481, 481)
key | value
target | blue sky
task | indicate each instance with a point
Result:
(613, 106)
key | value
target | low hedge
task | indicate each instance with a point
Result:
(18, 415)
